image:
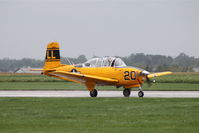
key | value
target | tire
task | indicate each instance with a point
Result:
(126, 92)
(93, 93)
(140, 93)
(74, 70)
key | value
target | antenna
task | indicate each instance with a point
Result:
(69, 61)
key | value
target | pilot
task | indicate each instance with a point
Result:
(87, 64)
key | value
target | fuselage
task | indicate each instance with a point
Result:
(128, 77)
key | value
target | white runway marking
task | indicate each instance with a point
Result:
(156, 94)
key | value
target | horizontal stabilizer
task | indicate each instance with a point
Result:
(48, 70)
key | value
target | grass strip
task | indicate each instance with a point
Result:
(75, 86)
(96, 115)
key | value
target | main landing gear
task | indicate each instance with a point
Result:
(93, 93)
(127, 92)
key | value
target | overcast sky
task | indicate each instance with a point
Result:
(99, 27)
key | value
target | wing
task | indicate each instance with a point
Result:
(82, 78)
(158, 74)
(42, 69)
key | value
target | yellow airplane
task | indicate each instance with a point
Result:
(97, 71)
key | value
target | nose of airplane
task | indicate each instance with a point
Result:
(148, 81)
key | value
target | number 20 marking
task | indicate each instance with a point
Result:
(129, 75)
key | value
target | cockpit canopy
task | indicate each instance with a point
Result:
(104, 62)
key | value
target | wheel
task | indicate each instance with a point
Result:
(140, 93)
(93, 93)
(127, 92)
(74, 70)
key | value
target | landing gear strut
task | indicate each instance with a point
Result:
(93, 93)
(127, 92)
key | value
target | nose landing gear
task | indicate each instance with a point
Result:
(140, 93)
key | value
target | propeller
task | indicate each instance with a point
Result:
(148, 81)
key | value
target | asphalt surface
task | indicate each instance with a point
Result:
(155, 94)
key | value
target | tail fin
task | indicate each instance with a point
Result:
(52, 56)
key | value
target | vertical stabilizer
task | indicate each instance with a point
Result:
(52, 59)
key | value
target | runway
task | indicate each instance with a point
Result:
(152, 94)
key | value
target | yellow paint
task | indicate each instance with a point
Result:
(127, 77)
(159, 74)
(51, 62)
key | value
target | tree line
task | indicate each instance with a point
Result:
(152, 63)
